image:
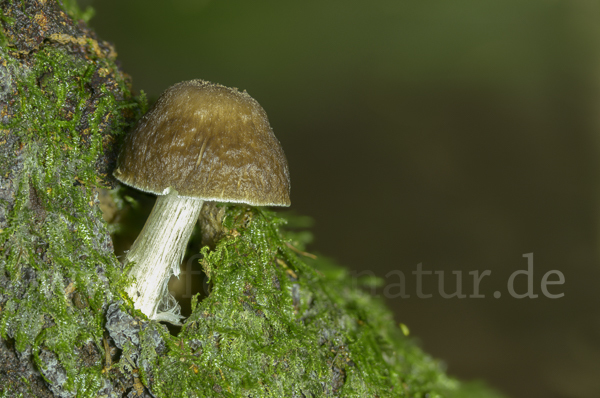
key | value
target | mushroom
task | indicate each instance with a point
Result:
(200, 142)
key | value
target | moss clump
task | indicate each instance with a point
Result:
(282, 323)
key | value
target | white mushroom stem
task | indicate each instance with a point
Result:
(158, 252)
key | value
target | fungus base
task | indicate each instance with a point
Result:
(158, 251)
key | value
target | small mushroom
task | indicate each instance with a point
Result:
(200, 142)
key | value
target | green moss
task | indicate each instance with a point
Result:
(279, 323)
(55, 244)
(4, 19)
(72, 8)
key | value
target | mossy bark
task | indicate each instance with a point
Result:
(63, 105)
(277, 321)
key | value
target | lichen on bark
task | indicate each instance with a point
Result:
(277, 322)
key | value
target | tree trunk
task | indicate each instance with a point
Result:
(64, 104)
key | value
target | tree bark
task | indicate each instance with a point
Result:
(64, 103)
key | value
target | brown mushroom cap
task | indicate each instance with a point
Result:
(206, 141)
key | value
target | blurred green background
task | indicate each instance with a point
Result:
(457, 134)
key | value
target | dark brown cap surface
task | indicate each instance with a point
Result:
(206, 141)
